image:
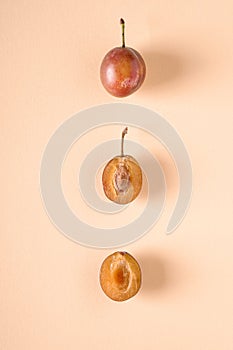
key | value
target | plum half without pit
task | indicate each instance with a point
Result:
(123, 69)
(120, 276)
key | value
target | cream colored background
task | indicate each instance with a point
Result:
(49, 292)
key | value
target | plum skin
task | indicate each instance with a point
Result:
(122, 71)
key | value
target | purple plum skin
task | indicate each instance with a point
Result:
(122, 71)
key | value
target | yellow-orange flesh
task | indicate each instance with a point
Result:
(120, 276)
(122, 179)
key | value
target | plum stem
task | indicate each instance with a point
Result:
(122, 22)
(124, 132)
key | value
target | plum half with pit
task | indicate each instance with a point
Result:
(123, 69)
(122, 177)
